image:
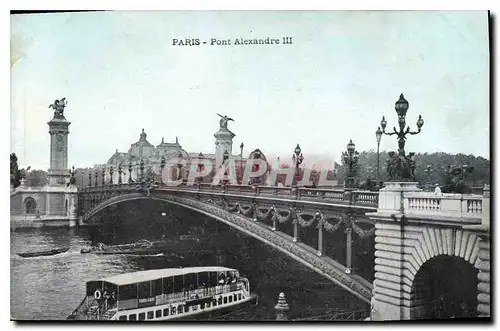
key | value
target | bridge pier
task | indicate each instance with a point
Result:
(392, 297)
(413, 252)
(483, 263)
(484, 276)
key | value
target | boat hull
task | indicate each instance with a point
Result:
(223, 311)
(44, 253)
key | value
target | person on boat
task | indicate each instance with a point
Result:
(222, 279)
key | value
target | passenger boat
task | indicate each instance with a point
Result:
(165, 294)
(44, 253)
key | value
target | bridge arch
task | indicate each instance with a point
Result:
(335, 273)
(442, 273)
(445, 287)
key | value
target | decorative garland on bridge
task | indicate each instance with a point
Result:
(303, 223)
(245, 210)
(361, 232)
(329, 226)
(282, 219)
(263, 216)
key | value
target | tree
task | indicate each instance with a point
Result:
(15, 174)
(438, 162)
(37, 178)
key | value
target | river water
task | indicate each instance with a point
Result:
(51, 287)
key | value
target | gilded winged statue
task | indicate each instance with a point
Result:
(223, 121)
(59, 106)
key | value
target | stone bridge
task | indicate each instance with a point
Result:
(260, 212)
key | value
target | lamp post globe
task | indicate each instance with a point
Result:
(401, 106)
(378, 134)
(297, 150)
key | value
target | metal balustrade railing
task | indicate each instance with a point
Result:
(308, 194)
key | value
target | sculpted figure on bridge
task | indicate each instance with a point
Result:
(223, 121)
(59, 106)
(401, 167)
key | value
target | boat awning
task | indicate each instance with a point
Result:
(149, 275)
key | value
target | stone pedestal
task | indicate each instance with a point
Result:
(223, 142)
(390, 198)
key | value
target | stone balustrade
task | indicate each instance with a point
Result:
(457, 206)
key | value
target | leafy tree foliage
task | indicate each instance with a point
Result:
(15, 174)
(438, 162)
(37, 178)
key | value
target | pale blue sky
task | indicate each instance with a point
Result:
(343, 71)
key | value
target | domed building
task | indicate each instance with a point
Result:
(142, 151)
(148, 153)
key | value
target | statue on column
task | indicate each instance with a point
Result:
(58, 107)
(223, 121)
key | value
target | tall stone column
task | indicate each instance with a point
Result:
(58, 173)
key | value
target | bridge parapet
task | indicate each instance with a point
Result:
(445, 206)
(329, 196)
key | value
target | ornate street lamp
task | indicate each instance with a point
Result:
(90, 178)
(120, 174)
(103, 173)
(201, 166)
(130, 171)
(162, 166)
(179, 166)
(141, 169)
(96, 175)
(241, 163)
(110, 175)
(428, 171)
(350, 158)
(378, 134)
(297, 159)
(401, 167)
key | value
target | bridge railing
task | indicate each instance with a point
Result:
(299, 193)
(448, 204)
